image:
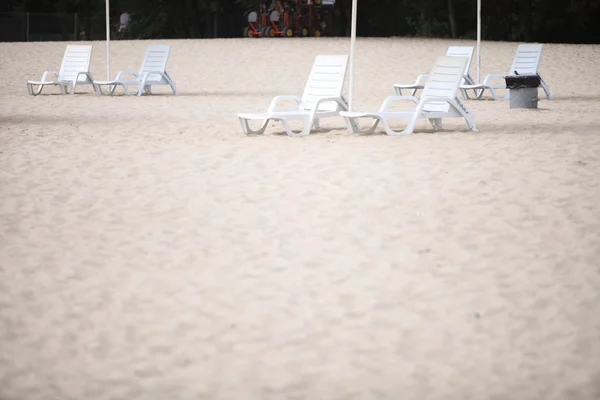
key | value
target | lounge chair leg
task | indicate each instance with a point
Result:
(390, 132)
(249, 131)
(480, 92)
(304, 132)
(172, 83)
(354, 126)
(546, 90)
(436, 123)
(495, 95)
(471, 122)
(33, 91)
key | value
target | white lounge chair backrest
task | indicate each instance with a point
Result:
(77, 59)
(155, 60)
(462, 51)
(443, 82)
(527, 59)
(326, 79)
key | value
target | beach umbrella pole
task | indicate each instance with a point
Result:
(478, 41)
(352, 47)
(108, 40)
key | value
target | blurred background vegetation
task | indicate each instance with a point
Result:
(563, 21)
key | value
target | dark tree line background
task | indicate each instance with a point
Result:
(566, 21)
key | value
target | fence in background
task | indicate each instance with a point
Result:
(35, 27)
(45, 27)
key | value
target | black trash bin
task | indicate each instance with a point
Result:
(523, 90)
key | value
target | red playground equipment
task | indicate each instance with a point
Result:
(256, 22)
(253, 28)
(289, 18)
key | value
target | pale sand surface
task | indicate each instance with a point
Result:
(149, 250)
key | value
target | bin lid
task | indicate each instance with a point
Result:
(522, 81)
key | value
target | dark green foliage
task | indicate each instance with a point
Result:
(568, 21)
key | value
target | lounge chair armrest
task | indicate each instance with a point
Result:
(46, 74)
(338, 100)
(278, 99)
(390, 99)
(422, 79)
(121, 73)
(492, 76)
(89, 76)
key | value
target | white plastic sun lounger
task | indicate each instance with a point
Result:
(526, 62)
(438, 101)
(454, 51)
(322, 98)
(74, 70)
(153, 71)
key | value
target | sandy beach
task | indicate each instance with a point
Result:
(150, 250)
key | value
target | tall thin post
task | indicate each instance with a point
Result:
(108, 40)
(75, 27)
(352, 48)
(27, 23)
(478, 41)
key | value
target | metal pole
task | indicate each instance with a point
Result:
(352, 48)
(478, 41)
(75, 27)
(27, 23)
(108, 40)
